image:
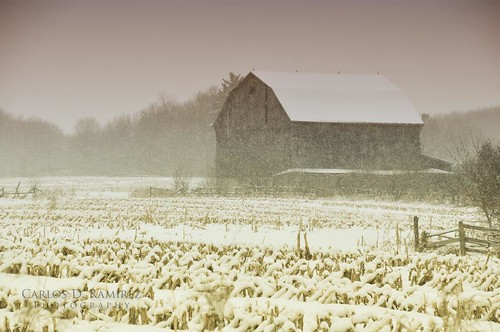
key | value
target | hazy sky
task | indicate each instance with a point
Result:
(63, 60)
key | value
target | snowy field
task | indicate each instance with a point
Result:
(89, 255)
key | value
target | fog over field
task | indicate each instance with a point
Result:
(249, 166)
(83, 91)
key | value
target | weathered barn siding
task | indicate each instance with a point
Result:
(255, 137)
(252, 132)
(355, 146)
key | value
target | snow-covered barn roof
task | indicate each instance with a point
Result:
(313, 97)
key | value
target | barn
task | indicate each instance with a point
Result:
(273, 122)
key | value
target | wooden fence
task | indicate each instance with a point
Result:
(18, 194)
(470, 238)
(273, 191)
(154, 192)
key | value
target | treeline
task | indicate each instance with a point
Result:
(165, 138)
(443, 135)
(30, 147)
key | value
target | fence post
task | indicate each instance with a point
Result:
(461, 236)
(17, 194)
(424, 240)
(415, 233)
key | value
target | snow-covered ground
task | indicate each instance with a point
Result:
(232, 263)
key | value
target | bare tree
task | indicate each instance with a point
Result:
(181, 180)
(229, 83)
(479, 179)
(87, 144)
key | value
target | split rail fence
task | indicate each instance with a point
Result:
(471, 238)
(18, 194)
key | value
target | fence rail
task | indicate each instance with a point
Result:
(19, 194)
(480, 241)
(257, 190)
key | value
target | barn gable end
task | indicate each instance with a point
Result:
(252, 130)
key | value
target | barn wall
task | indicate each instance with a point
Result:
(355, 146)
(252, 132)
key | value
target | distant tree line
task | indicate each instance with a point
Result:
(30, 147)
(442, 134)
(166, 137)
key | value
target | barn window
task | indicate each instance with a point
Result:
(252, 90)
